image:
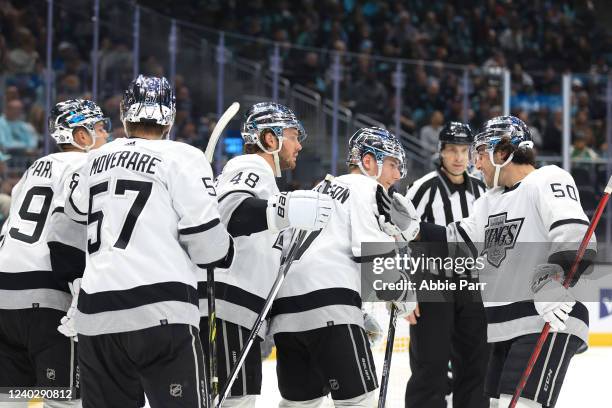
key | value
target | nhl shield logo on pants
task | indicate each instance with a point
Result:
(176, 390)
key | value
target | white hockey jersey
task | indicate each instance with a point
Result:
(241, 290)
(152, 220)
(323, 285)
(26, 278)
(516, 229)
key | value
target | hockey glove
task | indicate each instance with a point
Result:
(372, 328)
(67, 327)
(397, 216)
(404, 308)
(302, 209)
(552, 300)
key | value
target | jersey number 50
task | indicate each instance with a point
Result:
(143, 188)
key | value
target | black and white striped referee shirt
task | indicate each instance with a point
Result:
(440, 201)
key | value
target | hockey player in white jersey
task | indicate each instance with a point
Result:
(255, 211)
(317, 321)
(528, 227)
(152, 226)
(34, 288)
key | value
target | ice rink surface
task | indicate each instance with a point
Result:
(587, 384)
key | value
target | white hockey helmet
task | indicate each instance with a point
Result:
(496, 129)
(148, 100)
(69, 115)
(379, 142)
(274, 117)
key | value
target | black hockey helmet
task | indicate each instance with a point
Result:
(456, 133)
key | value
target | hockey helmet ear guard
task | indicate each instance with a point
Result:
(148, 100)
(380, 143)
(494, 131)
(273, 117)
(69, 115)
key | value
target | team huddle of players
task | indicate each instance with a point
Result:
(111, 242)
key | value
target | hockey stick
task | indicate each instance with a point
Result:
(210, 271)
(566, 282)
(386, 370)
(284, 268)
(212, 336)
(219, 127)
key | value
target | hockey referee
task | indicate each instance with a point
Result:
(453, 330)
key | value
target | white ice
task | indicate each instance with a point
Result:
(587, 383)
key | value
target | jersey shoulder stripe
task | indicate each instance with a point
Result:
(566, 221)
(225, 195)
(200, 228)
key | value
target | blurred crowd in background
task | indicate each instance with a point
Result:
(536, 40)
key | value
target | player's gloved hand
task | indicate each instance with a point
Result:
(397, 216)
(405, 308)
(67, 327)
(552, 301)
(372, 328)
(302, 209)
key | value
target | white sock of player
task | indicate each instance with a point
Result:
(246, 401)
(62, 404)
(313, 403)
(504, 401)
(366, 400)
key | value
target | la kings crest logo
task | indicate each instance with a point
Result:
(500, 235)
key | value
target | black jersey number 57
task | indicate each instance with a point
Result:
(143, 188)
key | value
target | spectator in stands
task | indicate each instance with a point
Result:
(582, 126)
(307, 72)
(431, 100)
(429, 133)
(15, 134)
(36, 118)
(367, 94)
(115, 65)
(69, 87)
(580, 151)
(406, 122)
(23, 59)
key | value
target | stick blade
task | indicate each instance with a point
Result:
(608, 189)
(216, 133)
